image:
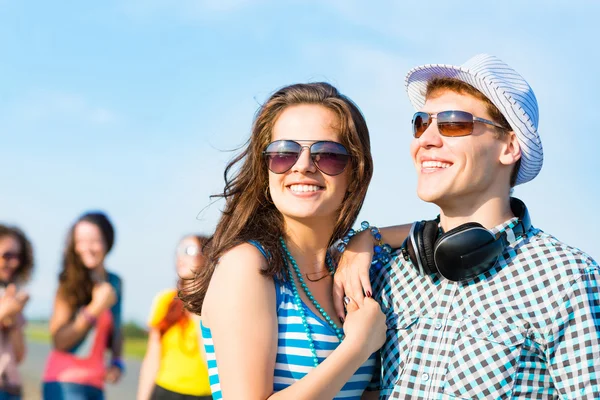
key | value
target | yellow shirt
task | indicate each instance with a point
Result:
(182, 369)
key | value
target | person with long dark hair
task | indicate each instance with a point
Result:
(265, 295)
(16, 265)
(173, 367)
(86, 319)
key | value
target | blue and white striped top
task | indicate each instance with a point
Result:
(294, 358)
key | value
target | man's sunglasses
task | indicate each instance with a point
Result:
(329, 157)
(449, 123)
(8, 256)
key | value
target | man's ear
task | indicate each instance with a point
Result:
(511, 151)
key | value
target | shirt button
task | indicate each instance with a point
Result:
(438, 325)
(425, 377)
(488, 333)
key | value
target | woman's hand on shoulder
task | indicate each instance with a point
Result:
(352, 274)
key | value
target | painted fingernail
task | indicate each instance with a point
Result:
(342, 319)
(346, 300)
(368, 293)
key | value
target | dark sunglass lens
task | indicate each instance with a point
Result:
(420, 123)
(330, 163)
(330, 157)
(281, 162)
(455, 123)
(281, 155)
(10, 256)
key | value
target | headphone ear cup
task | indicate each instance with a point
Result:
(466, 251)
(427, 239)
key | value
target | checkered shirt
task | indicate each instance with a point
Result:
(529, 328)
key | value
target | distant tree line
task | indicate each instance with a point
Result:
(131, 329)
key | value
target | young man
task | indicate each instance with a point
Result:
(479, 303)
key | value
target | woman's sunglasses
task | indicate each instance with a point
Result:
(329, 157)
(449, 123)
(8, 256)
(189, 250)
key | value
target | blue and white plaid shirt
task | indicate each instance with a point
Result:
(529, 328)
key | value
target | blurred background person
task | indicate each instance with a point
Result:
(16, 264)
(174, 365)
(86, 319)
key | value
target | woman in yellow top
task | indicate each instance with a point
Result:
(174, 366)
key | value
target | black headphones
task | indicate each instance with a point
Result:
(463, 252)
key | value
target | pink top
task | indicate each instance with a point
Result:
(85, 363)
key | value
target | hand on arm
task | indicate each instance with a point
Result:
(365, 333)
(12, 303)
(67, 331)
(352, 275)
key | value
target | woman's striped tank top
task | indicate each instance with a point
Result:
(294, 358)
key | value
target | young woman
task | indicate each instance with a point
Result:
(265, 296)
(86, 319)
(174, 368)
(16, 264)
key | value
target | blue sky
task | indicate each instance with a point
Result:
(129, 107)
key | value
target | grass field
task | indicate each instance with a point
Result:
(37, 332)
(135, 347)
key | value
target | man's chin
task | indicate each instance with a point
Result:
(430, 196)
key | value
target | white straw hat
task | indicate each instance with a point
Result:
(505, 88)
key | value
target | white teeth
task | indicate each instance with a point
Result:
(434, 164)
(304, 188)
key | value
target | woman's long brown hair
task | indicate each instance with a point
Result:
(249, 213)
